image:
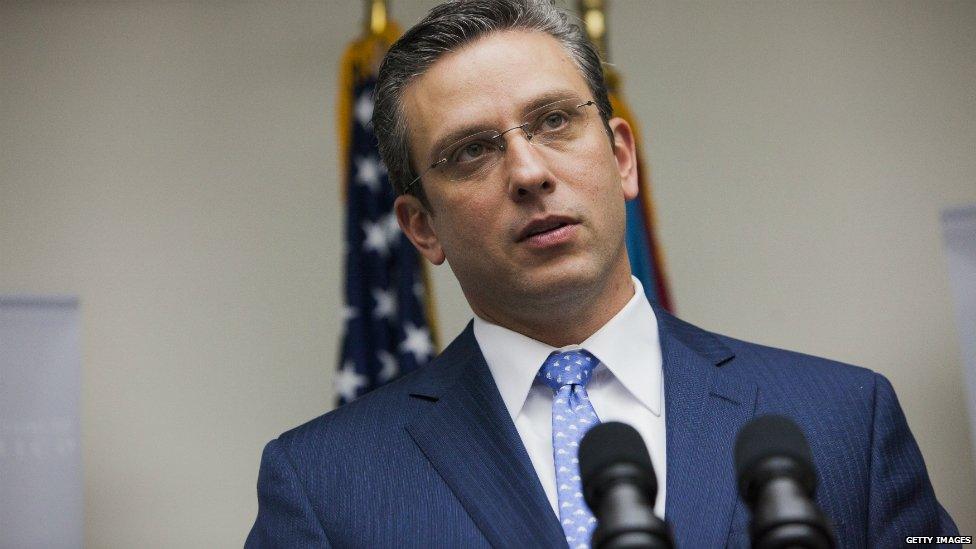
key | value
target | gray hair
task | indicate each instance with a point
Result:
(448, 27)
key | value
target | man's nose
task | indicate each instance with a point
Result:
(527, 168)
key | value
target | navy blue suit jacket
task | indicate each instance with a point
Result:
(434, 459)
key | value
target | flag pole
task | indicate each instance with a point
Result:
(594, 18)
(388, 323)
(646, 258)
(380, 34)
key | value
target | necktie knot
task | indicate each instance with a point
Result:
(567, 368)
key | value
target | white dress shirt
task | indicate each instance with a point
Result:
(627, 385)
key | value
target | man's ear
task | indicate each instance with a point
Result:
(625, 151)
(415, 221)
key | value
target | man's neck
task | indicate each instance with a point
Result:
(589, 314)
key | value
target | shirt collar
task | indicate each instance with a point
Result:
(627, 345)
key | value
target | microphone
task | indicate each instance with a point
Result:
(776, 477)
(619, 486)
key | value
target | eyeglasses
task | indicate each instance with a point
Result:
(556, 126)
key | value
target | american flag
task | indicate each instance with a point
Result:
(386, 330)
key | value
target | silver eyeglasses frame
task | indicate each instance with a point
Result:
(497, 137)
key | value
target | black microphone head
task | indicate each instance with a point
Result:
(609, 444)
(769, 446)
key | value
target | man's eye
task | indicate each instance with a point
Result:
(554, 120)
(470, 152)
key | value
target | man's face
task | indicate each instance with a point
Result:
(480, 226)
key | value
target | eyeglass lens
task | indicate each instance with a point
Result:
(556, 126)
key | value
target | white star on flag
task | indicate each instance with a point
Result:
(417, 341)
(386, 305)
(349, 313)
(375, 238)
(364, 109)
(419, 290)
(392, 226)
(347, 381)
(368, 172)
(390, 366)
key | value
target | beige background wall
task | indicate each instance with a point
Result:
(173, 165)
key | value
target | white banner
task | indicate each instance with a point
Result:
(959, 228)
(40, 458)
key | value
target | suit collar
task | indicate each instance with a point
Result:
(706, 405)
(703, 343)
(468, 436)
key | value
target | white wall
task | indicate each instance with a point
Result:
(173, 165)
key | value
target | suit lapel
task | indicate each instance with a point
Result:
(705, 408)
(471, 441)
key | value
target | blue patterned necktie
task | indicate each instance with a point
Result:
(567, 373)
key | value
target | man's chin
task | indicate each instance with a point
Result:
(558, 285)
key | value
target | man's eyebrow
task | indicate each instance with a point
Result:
(469, 129)
(550, 97)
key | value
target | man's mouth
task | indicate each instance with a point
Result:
(544, 225)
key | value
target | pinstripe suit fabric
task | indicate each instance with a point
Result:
(434, 460)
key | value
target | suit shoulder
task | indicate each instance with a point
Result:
(815, 392)
(377, 410)
(774, 361)
(750, 358)
(380, 412)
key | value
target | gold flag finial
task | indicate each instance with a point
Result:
(376, 16)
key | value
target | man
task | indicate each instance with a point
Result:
(496, 130)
